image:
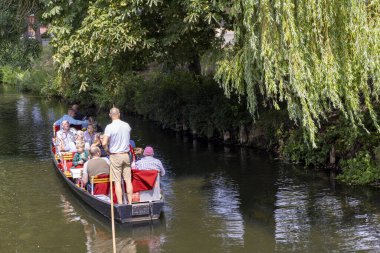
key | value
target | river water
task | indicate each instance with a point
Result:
(218, 199)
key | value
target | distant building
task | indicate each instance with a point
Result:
(35, 29)
(228, 36)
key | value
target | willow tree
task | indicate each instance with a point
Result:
(314, 56)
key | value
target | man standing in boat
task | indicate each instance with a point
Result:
(116, 143)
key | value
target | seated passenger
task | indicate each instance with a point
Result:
(97, 127)
(95, 166)
(70, 118)
(89, 136)
(148, 162)
(98, 143)
(65, 138)
(81, 156)
(136, 152)
(79, 136)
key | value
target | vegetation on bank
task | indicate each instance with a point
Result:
(37, 78)
(300, 78)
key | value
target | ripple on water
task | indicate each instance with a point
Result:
(362, 235)
(291, 217)
(224, 204)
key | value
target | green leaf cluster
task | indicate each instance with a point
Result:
(359, 170)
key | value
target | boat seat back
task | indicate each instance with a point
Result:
(65, 160)
(100, 185)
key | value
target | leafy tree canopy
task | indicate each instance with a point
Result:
(315, 56)
(116, 36)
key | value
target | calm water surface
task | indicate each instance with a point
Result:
(217, 200)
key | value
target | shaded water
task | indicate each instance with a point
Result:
(217, 199)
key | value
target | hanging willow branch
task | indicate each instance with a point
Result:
(315, 55)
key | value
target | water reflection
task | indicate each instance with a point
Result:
(307, 220)
(99, 237)
(292, 221)
(225, 204)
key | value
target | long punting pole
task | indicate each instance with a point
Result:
(112, 218)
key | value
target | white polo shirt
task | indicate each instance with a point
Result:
(119, 133)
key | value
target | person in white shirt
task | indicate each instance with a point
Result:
(116, 144)
(65, 138)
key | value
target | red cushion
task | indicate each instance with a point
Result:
(143, 180)
(68, 165)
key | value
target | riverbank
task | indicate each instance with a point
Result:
(197, 106)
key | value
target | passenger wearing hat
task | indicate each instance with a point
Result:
(148, 162)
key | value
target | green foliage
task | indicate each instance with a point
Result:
(19, 54)
(297, 150)
(172, 99)
(359, 170)
(180, 98)
(352, 148)
(317, 56)
(37, 79)
(105, 39)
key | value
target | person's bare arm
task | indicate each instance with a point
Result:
(84, 178)
(85, 175)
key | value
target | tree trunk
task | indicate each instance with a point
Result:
(195, 65)
(332, 155)
(226, 136)
(185, 127)
(210, 132)
(37, 30)
(243, 138)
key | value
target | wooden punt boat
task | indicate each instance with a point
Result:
(123, 213)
